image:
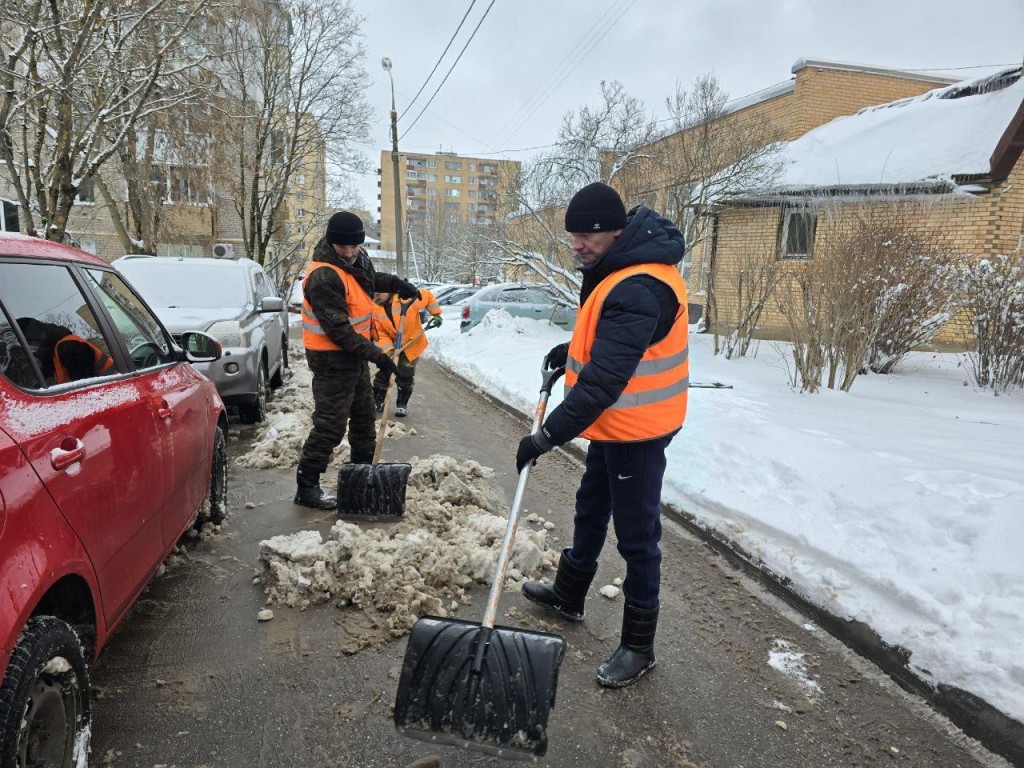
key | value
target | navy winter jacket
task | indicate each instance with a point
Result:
(637, 313)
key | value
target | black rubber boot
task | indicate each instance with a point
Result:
(309, 493)
(402, 406)
(568, 594)
(378, 398)
(635, 654)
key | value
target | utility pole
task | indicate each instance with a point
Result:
(399, 257)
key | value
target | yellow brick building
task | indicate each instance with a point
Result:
(948, 162)
(818, 92)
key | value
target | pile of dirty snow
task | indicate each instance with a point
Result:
(447, 542)
(279, 439)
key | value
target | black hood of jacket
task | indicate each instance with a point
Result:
(647, 239)
(361, 269)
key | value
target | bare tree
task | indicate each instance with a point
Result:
(713, 151)
(594, 144)
(295, 89)
(77, 77)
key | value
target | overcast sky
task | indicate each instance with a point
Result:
(531, 61)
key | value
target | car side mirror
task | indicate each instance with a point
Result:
(200, 347)
(271, 304)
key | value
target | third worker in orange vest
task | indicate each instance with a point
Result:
(626, 380)
(414, 342)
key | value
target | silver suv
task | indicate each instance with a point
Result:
(232, 300)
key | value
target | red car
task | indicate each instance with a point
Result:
(111, 446)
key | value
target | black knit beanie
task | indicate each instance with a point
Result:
(595, 208)
(345, 228)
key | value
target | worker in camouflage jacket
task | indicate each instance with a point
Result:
(337, 331)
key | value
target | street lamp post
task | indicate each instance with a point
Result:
(399, 257)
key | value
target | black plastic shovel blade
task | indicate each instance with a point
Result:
(504, 713)
(372, 491)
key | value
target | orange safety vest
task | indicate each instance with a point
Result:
(388, 330)
(360, 311)
(653, 403)
(101, 361)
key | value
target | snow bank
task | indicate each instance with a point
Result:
(447, 542)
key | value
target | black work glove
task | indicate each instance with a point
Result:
(530, 447)
(407, 290)
(386, 364)
(433, 322)
(556, 357)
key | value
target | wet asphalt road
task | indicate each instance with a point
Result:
(192, 679)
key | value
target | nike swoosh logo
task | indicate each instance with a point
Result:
(624, 477)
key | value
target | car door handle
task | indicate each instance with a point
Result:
(164, 410)
(70, 451)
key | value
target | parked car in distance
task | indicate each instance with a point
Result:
(519, 300)
(232, 300)
(111, 447)
(456, 294)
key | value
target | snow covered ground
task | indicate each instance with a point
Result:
(899, 504)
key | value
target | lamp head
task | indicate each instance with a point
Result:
(385, 64)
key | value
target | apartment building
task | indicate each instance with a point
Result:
(442, 186)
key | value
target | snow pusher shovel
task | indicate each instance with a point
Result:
(376, 491)
(479, 686)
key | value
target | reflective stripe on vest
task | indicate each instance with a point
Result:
(654, 400)
(360, 311)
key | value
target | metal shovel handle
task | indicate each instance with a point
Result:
(550, 376)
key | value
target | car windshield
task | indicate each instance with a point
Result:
(196, 286)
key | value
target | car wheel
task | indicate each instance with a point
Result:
(215, 506)
(44, 700)
(256, 411)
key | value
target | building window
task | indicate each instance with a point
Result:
(431, 163)
(86, 191)
(300, 179)
(489, 168)
(796, 238)
(300, 212)
(474, 180)
(452, 193)
(431, 191)
(453, 179)
(451, 166)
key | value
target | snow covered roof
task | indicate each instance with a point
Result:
(938, 141)
(850, 66)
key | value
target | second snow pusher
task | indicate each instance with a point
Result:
(376, 491)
